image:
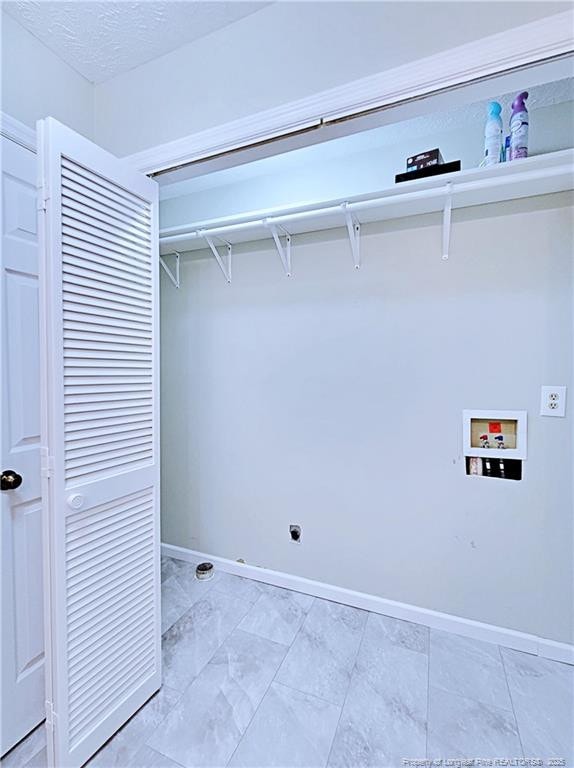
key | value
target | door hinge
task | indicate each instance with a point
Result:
(42, 199)
(46, 463)
(51, 716)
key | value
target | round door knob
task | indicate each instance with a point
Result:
(76, 500)
(10, 480)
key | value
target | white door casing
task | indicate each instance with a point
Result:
(22, 694)
(100, 440)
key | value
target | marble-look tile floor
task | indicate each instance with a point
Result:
(258, 676)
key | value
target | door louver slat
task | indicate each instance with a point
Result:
(104, 568)
(101, 186)
(94, 331)
(100, 199)
(105, 703)
(88, 662)
(118, 525)
(101, 661)
(81, 264)
(76, 245)
(97, 281)
(71, 228)
(119, 428)
(80, 445)
(103, 627)
(105, 223)
(88, 624)
(95, 627)
(85, 204)
(94, 292)
(105, 456)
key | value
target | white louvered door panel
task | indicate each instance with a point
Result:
(100, 441)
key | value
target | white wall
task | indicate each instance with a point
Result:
(333, 400)
(284, 52)
(36, 83)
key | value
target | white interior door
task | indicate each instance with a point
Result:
(22, 637)
(100, 438)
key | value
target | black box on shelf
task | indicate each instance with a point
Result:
(424, 159)
(430, 170)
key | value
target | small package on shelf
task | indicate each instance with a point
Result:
(424, 160)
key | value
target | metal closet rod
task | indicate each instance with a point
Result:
(444, 191)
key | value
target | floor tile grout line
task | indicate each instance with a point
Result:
(226, 637)
(164, 718)
(144, 737)
(310, 695)
(306, 693)
(511, 700)
(359, 647)
(287, 649)
(261, 637)
(471, 697)
(300, 690)
(153, 749)
(207, 664)
(472, 700)
(255, 711)
(208, 588)
(295, 636)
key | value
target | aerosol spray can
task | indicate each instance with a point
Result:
(519, 127)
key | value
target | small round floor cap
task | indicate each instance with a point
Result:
(204, 571)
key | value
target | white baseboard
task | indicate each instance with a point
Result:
(509, 638)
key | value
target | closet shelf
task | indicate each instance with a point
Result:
(539, 175)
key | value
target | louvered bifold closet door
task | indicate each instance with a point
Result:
(100, 441)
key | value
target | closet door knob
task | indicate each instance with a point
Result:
(76, 500)
(10, 480)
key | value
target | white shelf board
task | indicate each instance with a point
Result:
(539, 175)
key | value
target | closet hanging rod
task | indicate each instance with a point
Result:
(520, 174)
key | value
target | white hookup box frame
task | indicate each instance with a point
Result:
(518, 419)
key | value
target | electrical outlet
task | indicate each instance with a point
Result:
(553, 401)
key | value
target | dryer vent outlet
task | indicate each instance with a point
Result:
(295, 533)
(204, 571)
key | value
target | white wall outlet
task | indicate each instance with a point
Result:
(553, 401)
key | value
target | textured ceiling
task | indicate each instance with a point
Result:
(103, 39)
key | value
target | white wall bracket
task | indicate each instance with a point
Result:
(354, 230)
(174, 277)
(225, 266)
(284, 251)
(446, 222)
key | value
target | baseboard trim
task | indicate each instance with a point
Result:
(509, 638)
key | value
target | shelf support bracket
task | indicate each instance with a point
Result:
(224, 266)
(174, 277)
(284, 251)
(354, 230)
(446, 222)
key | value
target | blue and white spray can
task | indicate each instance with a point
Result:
(493, 134)
(519, 127)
